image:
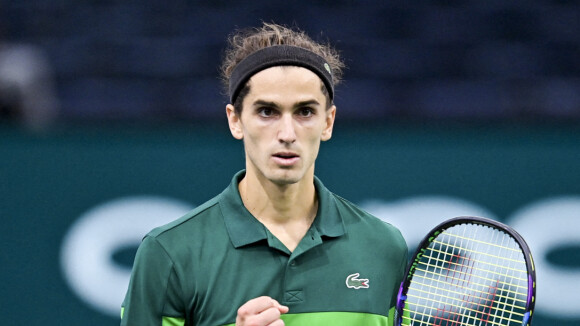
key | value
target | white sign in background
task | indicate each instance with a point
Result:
(88, 247)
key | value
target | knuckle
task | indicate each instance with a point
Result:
(242, 311)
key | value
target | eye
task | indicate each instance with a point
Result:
(266, 111)
(306, 112)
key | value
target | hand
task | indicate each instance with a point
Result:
(261, 311)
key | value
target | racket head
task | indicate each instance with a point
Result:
(453, 298)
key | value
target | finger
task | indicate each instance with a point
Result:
(257, 305)
(269, 317)
(261, 311)
(278, 322)
(283, 309)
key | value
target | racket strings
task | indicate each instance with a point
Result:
(432, 305)
(509, 313)
(481, 292)
(486, 271)
(515, 249)
(468, 276)
(466, 319)
(510, 310)
(492, 256)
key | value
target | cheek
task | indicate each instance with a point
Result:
(254, 141)
(314, 134)
(314, 144)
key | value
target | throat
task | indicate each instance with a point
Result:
(287, 212)
(290, 228)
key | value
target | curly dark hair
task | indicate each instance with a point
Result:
(244, 42)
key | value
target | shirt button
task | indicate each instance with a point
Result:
(293, 263)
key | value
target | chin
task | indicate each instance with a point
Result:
(284, 181)
(286, 177)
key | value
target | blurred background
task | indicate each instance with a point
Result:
(112, 122)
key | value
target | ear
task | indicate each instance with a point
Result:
(327, 131)
(234, 122)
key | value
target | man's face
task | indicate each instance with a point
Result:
(283, 120)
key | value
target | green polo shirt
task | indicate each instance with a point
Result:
(199, 269)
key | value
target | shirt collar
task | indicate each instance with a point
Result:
(244, 229)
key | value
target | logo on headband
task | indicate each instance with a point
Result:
(327, 67)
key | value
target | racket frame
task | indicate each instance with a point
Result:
(428, 239)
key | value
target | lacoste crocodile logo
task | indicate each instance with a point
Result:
(353, 282)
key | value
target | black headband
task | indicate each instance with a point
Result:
(279, 55)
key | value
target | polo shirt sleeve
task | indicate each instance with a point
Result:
(154, 297)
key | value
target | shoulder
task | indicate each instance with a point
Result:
(193, 216)
(188, 229)
(175, 243)
(351, 212)
(356, 218)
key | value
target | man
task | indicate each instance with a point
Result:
(276, 246)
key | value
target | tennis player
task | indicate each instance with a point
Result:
(276, 246)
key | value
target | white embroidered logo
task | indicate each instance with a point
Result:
(353, 282)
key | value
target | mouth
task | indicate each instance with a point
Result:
(286, 158)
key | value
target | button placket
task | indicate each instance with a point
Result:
(293, 292)
(294, 280)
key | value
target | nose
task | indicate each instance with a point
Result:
(287, 131)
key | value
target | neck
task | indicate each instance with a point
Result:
(275, 203)
(287, 211)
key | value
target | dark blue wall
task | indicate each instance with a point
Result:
(158, 60)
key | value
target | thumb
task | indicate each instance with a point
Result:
(281, 308)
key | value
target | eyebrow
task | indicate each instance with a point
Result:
(274, 104)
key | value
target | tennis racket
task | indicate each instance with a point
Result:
(469, 271)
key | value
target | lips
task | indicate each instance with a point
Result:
(285, 155)
(286, 158)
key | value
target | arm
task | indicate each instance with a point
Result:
(154, 295)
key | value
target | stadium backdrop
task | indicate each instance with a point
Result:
(75, 202)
